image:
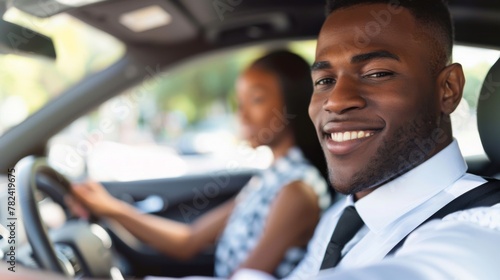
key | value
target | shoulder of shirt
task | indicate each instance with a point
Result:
(488, 217)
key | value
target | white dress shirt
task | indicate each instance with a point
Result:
(463, 245)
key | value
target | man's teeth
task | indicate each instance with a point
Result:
(350, 135)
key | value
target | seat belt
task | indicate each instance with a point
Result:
(487, 194)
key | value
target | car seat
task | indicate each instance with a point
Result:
(488, 116)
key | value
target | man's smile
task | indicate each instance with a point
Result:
(350, 135)
(342, 138)
(343, 143)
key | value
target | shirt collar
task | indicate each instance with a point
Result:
(389, 202)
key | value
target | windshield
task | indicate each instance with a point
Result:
(27, 83)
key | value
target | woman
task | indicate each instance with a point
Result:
(268, 225)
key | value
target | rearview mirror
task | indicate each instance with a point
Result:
(15, 39)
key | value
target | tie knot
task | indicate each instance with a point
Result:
(349, 223)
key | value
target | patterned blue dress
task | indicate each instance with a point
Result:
(246, 223)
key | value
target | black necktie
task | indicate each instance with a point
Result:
(349, 223)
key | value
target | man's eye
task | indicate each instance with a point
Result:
(325, 81)
(379, 75)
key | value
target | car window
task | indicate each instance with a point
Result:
(178, 123)
(29, 82)
(184, 122)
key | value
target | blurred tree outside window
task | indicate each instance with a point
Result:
(29, 82)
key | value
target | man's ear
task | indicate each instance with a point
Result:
(450, 84)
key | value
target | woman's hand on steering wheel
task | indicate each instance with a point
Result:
(94, 197)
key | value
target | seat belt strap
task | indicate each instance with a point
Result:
(487, 194)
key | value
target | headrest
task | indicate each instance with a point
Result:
(488, 113)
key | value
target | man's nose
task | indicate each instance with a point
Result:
(345, 96)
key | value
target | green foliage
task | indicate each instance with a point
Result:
(33, 81)
(197, 89)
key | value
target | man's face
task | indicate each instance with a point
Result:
(374, 99)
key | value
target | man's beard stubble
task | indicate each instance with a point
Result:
(395, 157)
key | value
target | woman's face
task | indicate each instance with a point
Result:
(261, 108)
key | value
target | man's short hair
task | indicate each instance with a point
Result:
(432, 15)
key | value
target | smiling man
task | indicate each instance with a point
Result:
(384, 89)
(374, 103)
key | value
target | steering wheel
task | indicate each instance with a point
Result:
(78, 248)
